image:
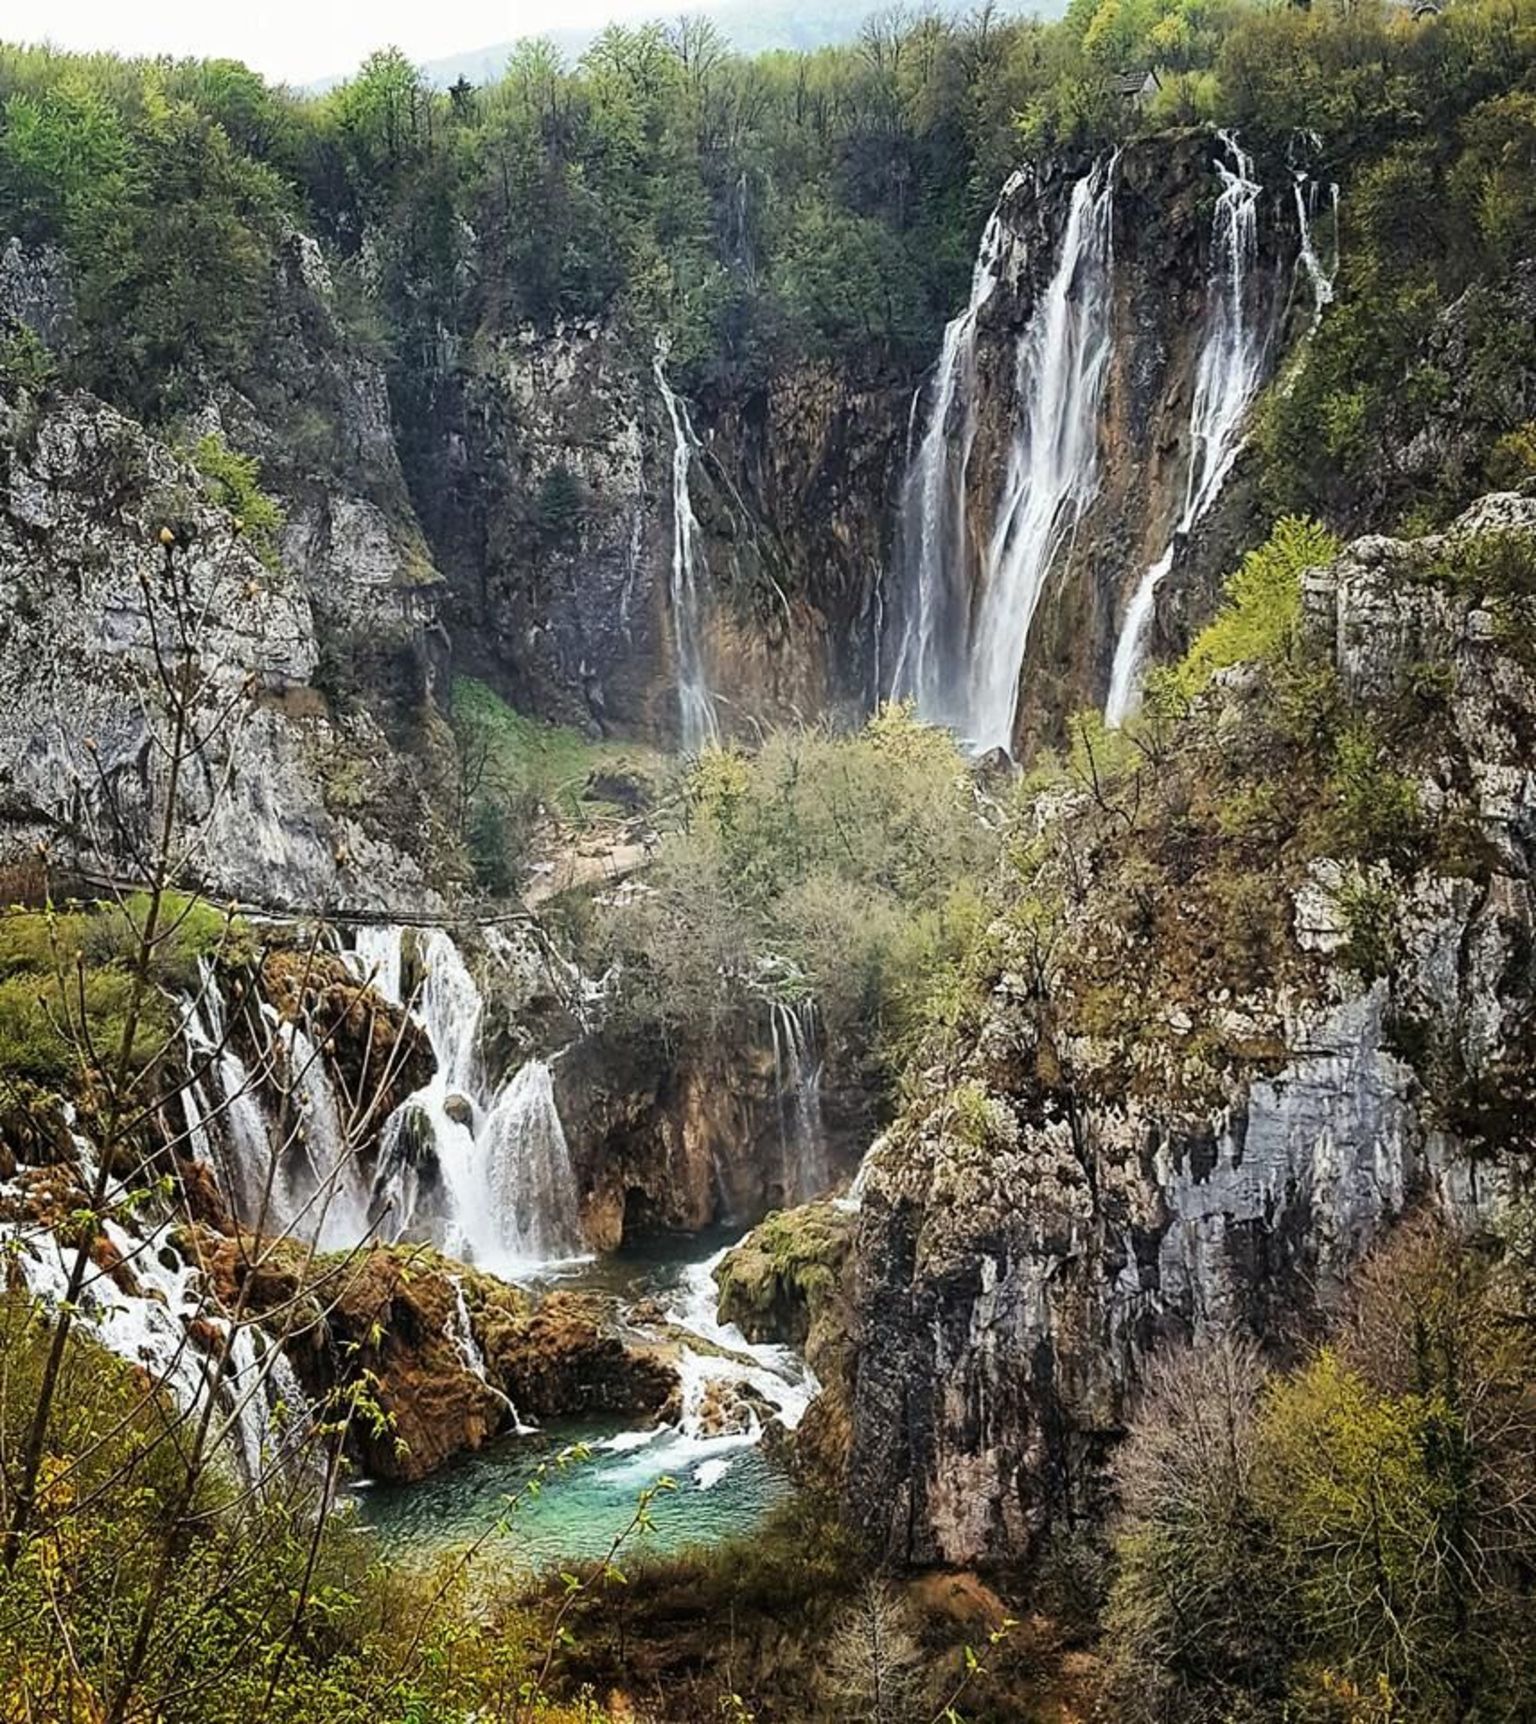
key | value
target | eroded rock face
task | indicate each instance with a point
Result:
(448, 1352)
(268, 810)
(1024, 1244)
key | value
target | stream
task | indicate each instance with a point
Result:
(724, 1484)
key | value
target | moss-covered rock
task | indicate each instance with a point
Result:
(780, 1280)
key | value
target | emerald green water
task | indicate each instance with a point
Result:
(581, 1508)
(721, 1486)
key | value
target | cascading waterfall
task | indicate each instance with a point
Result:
(721, 1356)
(533, 1187)
(500, 1190)
(507, 1194)
(261, 1412)
(696, 706)
(929, 662)
(226, 1121)
(1062, 363)
(797, 1076)
(333, 1205)
(1227, 376)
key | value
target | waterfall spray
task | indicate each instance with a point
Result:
(1227, 377)
(696, 705)
(1063, 360)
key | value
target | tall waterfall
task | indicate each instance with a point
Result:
(504, 1196)
(1053, 467)
(929, 665)
(962, 651)
(696, 706)
(797, 1075)
(1227, 377)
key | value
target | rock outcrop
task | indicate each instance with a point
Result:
(443, 1356)
(268, 809)
(1176, 1117)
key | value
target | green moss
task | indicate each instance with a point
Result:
(783, 1275)
(66, 984)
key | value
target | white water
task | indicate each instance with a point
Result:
(1227, 377)
(1321, 277)
(1053, 468)
(333, 1204)
(461, 1331)
(149, 1327)
(928, 667)
(797, 1069)
(696, 706)
(507, 1199)
(225, 1118)
(726, 1358)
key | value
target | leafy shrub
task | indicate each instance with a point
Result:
(1258, 622)
(235, 481)
(834, 867)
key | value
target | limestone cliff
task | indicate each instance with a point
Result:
(293, 802)
(541, 462)
(1250, 999)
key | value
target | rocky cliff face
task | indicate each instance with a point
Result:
(518, 493)
(1163, 1124)
(292, 802)
(544, 477)
(542, 467)
(326, 787)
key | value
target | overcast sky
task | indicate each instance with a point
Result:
(302, 40)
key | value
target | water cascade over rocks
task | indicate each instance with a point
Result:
(696, 706)
(144, 1310)
(1320, 276)
(797, 1076)
(1230, 369)
(289, 1170)
(729, 1388)
(498, 1189)
(478, 1167)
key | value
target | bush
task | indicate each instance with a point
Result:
(1350, 1540)
(235, 481)
(1257, 625)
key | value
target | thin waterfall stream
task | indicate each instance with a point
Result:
(696, 708)
(1227, 377)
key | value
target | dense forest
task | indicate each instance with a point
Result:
(1134, 1118)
